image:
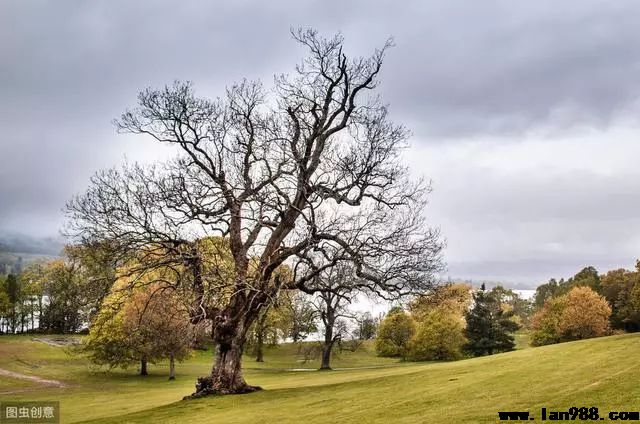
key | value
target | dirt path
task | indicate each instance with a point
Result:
(56, 342)
(42, 381)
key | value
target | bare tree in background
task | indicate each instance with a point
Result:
(300, 314)
(311, 167)
(334, 297)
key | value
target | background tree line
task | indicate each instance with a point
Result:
(134, 320)
(587, 305)
(150, 322)
(451, 322)
(583, 306)
(56, 296)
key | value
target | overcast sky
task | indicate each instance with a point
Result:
(526, 115)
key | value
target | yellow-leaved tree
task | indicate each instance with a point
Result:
(580, 314)
(142, 325)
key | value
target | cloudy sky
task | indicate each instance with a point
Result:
(525, 115)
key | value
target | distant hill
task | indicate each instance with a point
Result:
(19, 243)
(491, 283)
(16, 251)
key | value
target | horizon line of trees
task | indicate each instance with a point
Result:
(451, 322)
(56, 296)
(589, 304)
(150, 322)
(87, 290)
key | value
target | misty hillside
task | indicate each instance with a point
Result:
(16, 251)
(18, 243)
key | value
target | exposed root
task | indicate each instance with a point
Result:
(205, 387)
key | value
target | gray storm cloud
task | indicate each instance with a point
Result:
(461, 73)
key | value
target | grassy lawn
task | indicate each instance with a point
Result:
(600, 372)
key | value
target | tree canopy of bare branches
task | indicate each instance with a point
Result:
(298, 177)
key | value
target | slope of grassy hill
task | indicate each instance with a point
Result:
(600, 372)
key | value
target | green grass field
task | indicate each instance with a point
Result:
(600, 372)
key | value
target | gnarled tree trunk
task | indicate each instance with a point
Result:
(229, 336)
(319, 140)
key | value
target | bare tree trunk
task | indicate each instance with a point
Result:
(226, 376)
(229, 337)
(327, 346)
(33, 325)
(143, 366)
(259, 350)
(227, 372)
(172, 367)
(326, 356)
(329, 320)
(260, 328)
(39, 312)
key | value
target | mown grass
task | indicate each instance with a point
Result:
(600, 372)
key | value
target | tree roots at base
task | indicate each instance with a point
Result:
(205, 387)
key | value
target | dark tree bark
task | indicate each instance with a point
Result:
(143, 366)
(327, 347)
(260, 329)
(260, 350)
(328, 315)
(226, 377)
(326, 356)
(331, 306)
(308, 173)
(172, 367)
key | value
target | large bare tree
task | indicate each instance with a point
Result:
(298, 177)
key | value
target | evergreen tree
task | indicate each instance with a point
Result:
(488, 326)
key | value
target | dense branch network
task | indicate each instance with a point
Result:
(303, 176)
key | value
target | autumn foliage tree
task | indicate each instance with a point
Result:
(455, 298)
(432, 330)
(439, 336)
(308, 171)
(440, 318)
(579, 314)
(587, 277)
(394, 334)
(621, 288)
(146, 326)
